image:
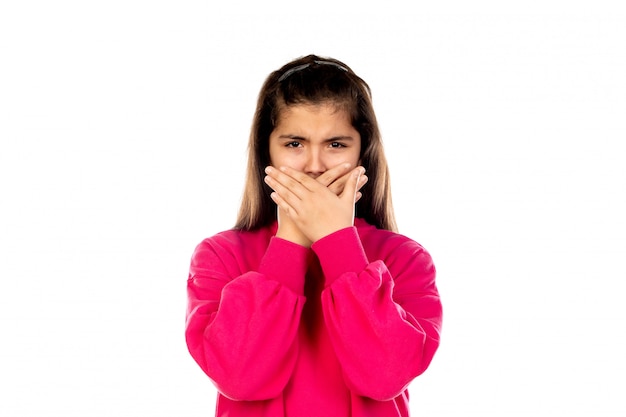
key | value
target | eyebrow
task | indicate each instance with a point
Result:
(331, 139)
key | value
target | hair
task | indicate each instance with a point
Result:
(315, 80)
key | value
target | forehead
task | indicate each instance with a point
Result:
(313, 113)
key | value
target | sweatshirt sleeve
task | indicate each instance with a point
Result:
(384, 326)
(242, 327)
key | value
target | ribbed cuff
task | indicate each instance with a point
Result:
(286, 262)
(340, 252)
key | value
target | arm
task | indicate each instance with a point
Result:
(385, 330)
(242, 327)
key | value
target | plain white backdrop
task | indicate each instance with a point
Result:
(123, 128)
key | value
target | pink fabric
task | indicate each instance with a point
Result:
(340, 329)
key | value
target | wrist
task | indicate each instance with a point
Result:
(294, 235)
(330, 229)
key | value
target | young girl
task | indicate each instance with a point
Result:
(313, 304)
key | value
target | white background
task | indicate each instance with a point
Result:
(123, 129)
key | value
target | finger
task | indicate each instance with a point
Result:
(350, 188)
(282, 205)
(286, 194)
(337, 186)
(362, 181)
(298, 182)
(278, 178)
(333, 174)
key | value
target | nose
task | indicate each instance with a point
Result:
(314, 164)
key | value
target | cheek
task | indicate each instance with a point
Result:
(333, 159)
(275, 154)
(286, 157)
(354, 156)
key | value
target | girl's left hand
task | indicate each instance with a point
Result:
(313, 207)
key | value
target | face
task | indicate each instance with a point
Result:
(314, 138)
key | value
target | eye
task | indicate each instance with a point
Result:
(337, 145)
(293, 144)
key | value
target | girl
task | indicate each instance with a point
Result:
(313, 304)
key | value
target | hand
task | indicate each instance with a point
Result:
(312, 206)
(336, 178)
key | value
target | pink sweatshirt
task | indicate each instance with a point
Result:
(337, 330)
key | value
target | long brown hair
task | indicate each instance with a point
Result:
(315, 80)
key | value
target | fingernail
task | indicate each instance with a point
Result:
(268, 170)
